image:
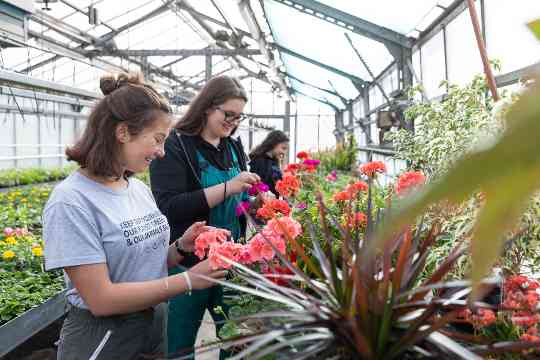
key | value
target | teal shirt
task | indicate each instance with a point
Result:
(224, 214)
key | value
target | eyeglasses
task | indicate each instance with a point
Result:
(231, 117)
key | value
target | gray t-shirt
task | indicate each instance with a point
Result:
(85, 222)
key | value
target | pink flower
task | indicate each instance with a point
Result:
(245, 256)
(208, 238)
(8, 231)
(284, 226)
(21, 232)
(242, 208)
(218, 251)
(260, 249)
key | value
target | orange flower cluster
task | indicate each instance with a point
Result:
(358, 220)
(288, 186)
(370, 169)
(273, 207)
(351, 191)
(308, 165)
(409, 180)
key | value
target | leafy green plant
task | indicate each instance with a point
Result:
(506, 173)
(341, 158)
(14, 177)
(445, 130)
(22, 290)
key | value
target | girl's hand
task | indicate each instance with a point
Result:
(187, 241)
(203, 268)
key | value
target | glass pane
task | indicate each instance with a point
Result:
(317, 94)
(433, 70)
(508, 38)
(400, 16)
(329, 46)
(464, 60)
(319, 77)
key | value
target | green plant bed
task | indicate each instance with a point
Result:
(15, 177)
(23, 290)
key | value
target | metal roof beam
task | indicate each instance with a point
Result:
(76, 8)
(73, 53)
(257, 34)
(210, 19)
(333, 93)
(160, 10)
(451, 12)
(23, 80)
(334, 107)
(353, 78)
(176, 52)
(349, 22)
(184, 5)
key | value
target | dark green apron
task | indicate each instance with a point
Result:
(186, 311)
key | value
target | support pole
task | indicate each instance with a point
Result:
(482, 48)
(208, 69)
(287, 126)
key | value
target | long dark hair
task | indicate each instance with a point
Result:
(127, 99)
(216, 92)
(273, 138)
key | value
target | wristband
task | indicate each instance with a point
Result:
(225, 191)
(179, 248)
(188, 281)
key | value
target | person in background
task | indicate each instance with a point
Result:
(103, 228)
(267, 157)
(203, 177)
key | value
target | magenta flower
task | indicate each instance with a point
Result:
(242, 208)
(301, 206)
(258, 188)
(312, 162)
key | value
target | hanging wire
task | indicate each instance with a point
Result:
(2, 64)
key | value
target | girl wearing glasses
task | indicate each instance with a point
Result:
(267, 156)
(202, 177)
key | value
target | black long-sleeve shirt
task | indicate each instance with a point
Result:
(268, 169)
(176, 184)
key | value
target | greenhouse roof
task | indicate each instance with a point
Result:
(304, 47)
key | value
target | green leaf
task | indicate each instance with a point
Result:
(535, 27)
(508, 173)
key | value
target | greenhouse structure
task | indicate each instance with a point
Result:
(269, 179)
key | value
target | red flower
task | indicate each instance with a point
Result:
(265, 213)
(409, 180)
(357, 221)
(342, 196)
(371, 168)
(302, 155)
(359, 186)
(483, 317)
(520, 282)
(524, 318)
(274, 274)
(293, 168)
(288, 186)
(273, 207)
